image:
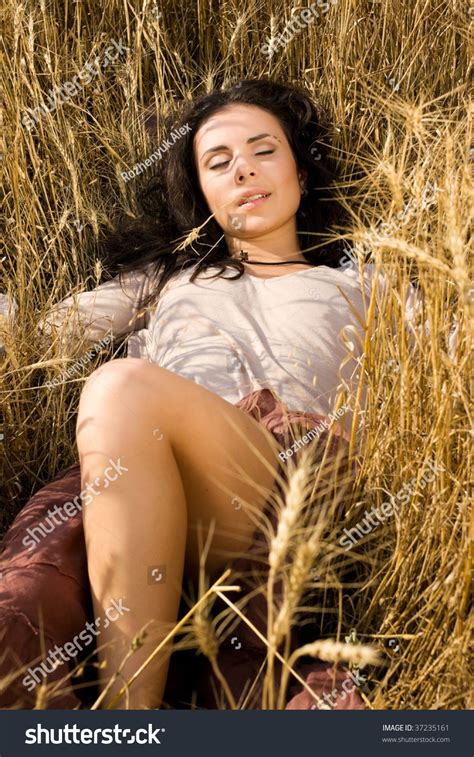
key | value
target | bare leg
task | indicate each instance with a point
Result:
(173, 438)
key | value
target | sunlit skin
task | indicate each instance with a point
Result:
(266, 231)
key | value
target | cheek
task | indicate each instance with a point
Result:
(289, 190)
(216, 201)
(286, 176)
(209, 193)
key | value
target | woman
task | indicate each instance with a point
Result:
(184, 426)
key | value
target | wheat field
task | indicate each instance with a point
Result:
(392, 78)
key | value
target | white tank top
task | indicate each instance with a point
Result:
(297, 333)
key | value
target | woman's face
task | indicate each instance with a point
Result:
(242, 149)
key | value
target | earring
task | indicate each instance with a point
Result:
(304, 192)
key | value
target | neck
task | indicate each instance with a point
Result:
(251, 254)
(273, 247)
(244, 257)
(248, 253)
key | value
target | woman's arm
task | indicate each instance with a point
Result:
(110, 309)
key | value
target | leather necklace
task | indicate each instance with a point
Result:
(245, 257)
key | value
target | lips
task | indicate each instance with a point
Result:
(252, 198)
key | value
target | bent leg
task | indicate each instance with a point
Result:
(186, 457)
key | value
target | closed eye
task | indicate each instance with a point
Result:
(218, 165)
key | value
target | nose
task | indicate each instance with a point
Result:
(243, 169)
(241, 177)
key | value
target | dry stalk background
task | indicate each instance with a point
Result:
(392, 77)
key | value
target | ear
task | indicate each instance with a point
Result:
(302, 177)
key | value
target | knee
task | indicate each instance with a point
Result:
(117, 374)
(118, 367)
(110, 383)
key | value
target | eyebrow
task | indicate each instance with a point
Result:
(249, 141)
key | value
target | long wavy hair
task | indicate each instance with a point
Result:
(172, 205)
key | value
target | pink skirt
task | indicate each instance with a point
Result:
(45, 600)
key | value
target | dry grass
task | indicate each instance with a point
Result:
(392, 77)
